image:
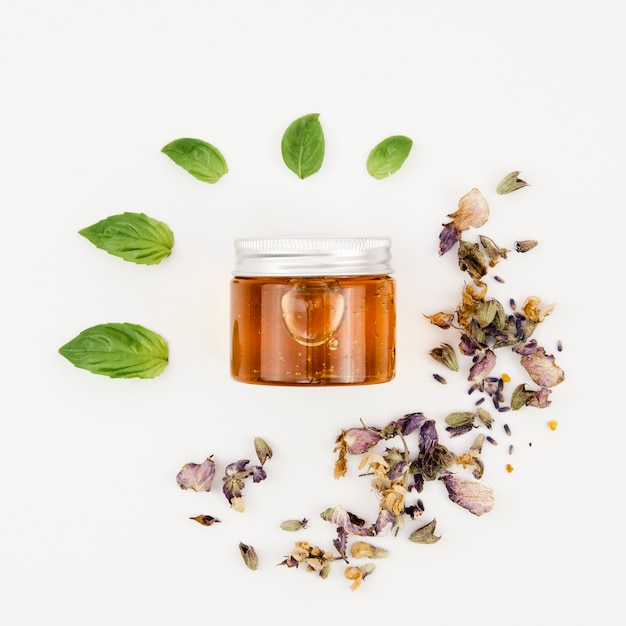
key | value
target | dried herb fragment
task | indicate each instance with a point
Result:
(314, 558)
(234, 481)
(511, 182)
(425, 534)
(494, 252)
(472, 261)
(249, 556)
(205, 520)
(197, 476)
(446, 355)
(294, 525)
(525, 245)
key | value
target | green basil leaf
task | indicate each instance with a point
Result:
(134, 237)
(202, 160)
(388, 156)
(118, 351)
(303, 145)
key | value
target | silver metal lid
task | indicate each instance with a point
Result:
(317, 256)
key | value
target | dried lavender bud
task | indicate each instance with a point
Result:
(249, 556)
(425, 534)
(499, 279)
(446, 355)
(440, 379)
(205, 520)
(294, 525)
(559, 345)
(511, 449)
(511, 182)
(491, 440)
(507, 429)
(525, 245)
(263, 451)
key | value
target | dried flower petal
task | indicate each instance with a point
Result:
(511, 182)
(483, 366)
(359, 440)
(197, 476)
(474, 496)
(446, 355)
(473, 211)
(443, 320)
(205, 520)
(263, 451)
(249, 556)
(533, 312)
(449, 235)
(472, 260)
(352, 524)
(425, 534)
(542, 368)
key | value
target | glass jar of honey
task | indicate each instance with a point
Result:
(314, 311)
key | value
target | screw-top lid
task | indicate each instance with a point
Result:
(346, 256)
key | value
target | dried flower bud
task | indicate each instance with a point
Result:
(446, 355)
(362, 549)
(205, 520)
(494, 252)
(249, 556)
(358, 574)
(294, 525)
(359, 440)
(472, 260)
(263, 451)
(525, 245)
(460, 418)
(425, 534)
(443, 320)
(197, 476)
(511, 182)
(485, 417)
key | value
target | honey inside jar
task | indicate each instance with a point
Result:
(302, 329)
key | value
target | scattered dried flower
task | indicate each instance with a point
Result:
(235, 475)
(511, 182)
(197, 476)
(293, 525)
(313, 558)
(249, 556)
(446, 355)
(476, 497)
(494, 252)
(525, 245)
(542, 368)
(472, 261)
(553, 424)
(358, 574)
(351, 523)
(443, 320)
(205, 520)
(362, 549)
(263, 451)
(425, 534)
(473, 211)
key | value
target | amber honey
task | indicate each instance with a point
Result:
(300, 328)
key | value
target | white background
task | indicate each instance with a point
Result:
(94, 529)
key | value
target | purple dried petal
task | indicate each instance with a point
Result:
(410, 423)
(526, 348)
(468, 345)
(540, 399)
(448, 237)
(258, 474)
(360, 440)
(474, 496)
(341, 543)
(483, 366)
(342, 518)
(542, 368)
(429, 437)
(236, 467)
(385, 522)
(397, 470)
(197, 476)
(233, 488)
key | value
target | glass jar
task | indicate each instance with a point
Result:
(313, 311)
